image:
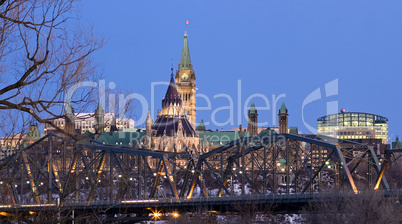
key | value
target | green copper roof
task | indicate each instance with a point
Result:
(200, 126)
(293, 130)
(397, 144)
(99, 109)
(283, 109)
(121, 138)
(217, 138)
(69, 109)
(252, 108)
(267, 131)
(185, 60)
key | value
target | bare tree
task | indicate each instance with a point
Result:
(44, 51)
(347, 207)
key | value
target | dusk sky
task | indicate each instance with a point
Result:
(270, 47)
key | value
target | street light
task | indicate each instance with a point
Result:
(156, 215)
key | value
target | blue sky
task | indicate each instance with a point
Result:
(272, 47)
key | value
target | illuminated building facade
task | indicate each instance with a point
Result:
(172, 130)
(87, 122)
(354, 125)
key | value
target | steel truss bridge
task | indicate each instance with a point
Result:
(60, 175)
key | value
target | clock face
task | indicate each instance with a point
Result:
(184, 77)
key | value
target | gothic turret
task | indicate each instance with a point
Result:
(252, 120)
(99, 119)
(148, 124)
(69, 119)
(283, 120)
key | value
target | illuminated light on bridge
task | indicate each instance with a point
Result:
(139, 201)
(156, 215)
(37, 205)
(6, 214)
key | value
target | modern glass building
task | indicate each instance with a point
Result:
(354, 125)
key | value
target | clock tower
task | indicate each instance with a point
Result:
(185, 82)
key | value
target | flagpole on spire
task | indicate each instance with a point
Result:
(185, 28)
(172, 68)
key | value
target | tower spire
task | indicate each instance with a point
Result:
(185, 79)
(185, 61)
